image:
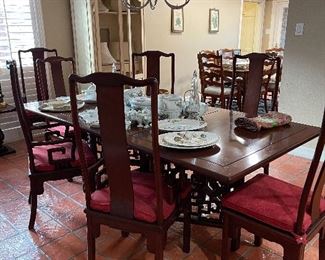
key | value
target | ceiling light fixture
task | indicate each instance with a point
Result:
(152, 4)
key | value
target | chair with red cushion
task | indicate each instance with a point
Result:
(133, 201)
(41, 91)
(52, 66)
(279, 211)
(48, 160)
(153, 59)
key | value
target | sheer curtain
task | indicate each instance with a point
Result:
(21, 27)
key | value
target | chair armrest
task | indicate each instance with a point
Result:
(54, 150)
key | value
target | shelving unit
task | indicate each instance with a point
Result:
(121, 29)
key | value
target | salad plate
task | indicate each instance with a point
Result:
(181, 124)
(59, 106)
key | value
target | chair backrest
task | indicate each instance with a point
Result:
(22, 116)
(110, 103)
(254, 81)
(37, 53)
(210, 70)
(153, 65)
(275, 52)
(55, 63)
(309, 195)
(271, 70)
(227, 53)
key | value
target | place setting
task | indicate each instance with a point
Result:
(59, 104)
(188, 140)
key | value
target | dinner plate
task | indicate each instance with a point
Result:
(191, 139)
(56, 106)
(181, 124)
(163, 143)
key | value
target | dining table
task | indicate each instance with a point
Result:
(217, 170)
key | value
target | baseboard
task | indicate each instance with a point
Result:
(306, 152)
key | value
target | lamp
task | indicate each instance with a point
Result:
(152, 4)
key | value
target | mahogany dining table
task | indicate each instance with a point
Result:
(216, 170)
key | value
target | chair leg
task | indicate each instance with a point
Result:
(156, 243)
(91, 239)
(33, 211)
(225, 249)
(265, 102)
(187, 227)
(235, 238)
(258, 240)
(266, 169)
(322, 244)
(29, 198)
(295, 252)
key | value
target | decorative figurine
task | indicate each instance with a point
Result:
(192, 102)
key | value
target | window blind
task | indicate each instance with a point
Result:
(19, 30)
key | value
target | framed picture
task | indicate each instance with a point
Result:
(177, 20)
(213, 20)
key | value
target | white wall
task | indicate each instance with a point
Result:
(195, 37)
(58, 31)
(57, 26)
(303, 83)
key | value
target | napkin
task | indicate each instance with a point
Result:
(269, 120)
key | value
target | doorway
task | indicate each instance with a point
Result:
(279, 23)
(252, 26)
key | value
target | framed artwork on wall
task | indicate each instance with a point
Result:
(213, 20)
(177, 20)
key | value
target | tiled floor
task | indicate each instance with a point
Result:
(60, 231)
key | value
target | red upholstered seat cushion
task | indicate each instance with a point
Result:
(61, 129)
(271, 201)
(144, 198)
(41, 159)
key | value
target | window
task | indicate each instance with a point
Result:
(20, 28)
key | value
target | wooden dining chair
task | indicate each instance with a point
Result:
(37, 53)
(133, 201)
(271, 81)
(41, 91)
(153, 68)
(252, 84)
(50, 76)
(250, 87)
(48, 160)
(279, 211)
(212, 79)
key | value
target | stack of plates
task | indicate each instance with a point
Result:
(188, 140)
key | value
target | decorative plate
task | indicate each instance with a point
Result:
(186, 140)
(59, 106)
(177, 125)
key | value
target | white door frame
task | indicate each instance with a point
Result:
(260, 23)
(276, 21)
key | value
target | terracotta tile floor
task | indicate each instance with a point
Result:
(60, 231)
